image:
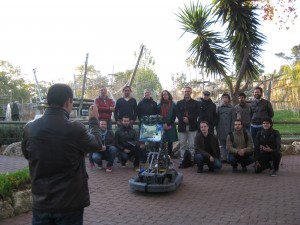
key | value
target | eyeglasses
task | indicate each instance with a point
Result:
(206, 94)
(165, 94)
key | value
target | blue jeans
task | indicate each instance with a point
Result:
(67, 218)
(108, 155)
(243, 160)
(200, 160)
(254, 131)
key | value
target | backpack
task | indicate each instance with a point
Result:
(245, 137)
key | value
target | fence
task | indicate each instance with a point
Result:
(11, 132)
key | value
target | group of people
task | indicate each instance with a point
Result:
(55, 146)
(125, 142)
(240, 130)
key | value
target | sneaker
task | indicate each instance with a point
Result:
(99, 167)
(244, 169)
(234, 170)
(109, 169)
(140, 170)
(274, 173)
(200, 170)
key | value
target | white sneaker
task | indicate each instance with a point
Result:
(109, 169)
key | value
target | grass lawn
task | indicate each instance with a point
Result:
(289, 116)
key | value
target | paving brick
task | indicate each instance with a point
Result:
(208, 199)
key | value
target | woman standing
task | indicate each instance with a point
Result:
(166, 109)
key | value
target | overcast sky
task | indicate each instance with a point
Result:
(54, 36)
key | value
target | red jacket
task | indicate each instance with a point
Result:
(103, 105)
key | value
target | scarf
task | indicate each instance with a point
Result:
(103, 135)
(165, 108)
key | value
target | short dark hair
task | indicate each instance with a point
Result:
(242, 94)
(238, 120)
(126, 88)
(125, 116)
(267, 119)
(227, 95)
(259, 88)
(58, 94)
(205, 123)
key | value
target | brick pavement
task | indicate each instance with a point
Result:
(220, 198)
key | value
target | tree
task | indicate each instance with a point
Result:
(212, 50)
(283, 12)
(287, 89)
(12, 85)
(93, 82)
(146, 78)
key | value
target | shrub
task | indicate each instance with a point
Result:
(10, 182)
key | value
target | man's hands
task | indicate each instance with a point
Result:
(103, 149)
(266, 148)
(186, 120)
(93, 111)
(241, 152)
(211, 159)
(126, 150)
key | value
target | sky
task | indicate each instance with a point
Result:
(55, 36)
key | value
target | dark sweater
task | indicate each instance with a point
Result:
(124, 107)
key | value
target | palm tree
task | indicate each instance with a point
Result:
(240, 43)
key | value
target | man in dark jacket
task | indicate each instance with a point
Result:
(260, 108)
(147, 106)
(127, 142)
(207, 149)
(267, 148)
(126, 106)
(207, 111)
(55, 148)
(187, 113)
(108, 150)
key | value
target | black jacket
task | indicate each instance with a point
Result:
(125, 108)
(147, 107)
(187, 109)
(268, 137)
(200, 147)
(124, 135)
(208, 112)
(260, 110)
(55, 148)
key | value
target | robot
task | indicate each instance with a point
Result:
(159, 174)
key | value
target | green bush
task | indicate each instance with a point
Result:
(10, 182)
(10, 133)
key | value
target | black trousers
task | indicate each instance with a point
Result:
(265, 159)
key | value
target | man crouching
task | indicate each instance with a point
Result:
(207, 149)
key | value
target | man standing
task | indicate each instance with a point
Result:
(207, 149)
(147, 106)
(243, 111)
(187, 113)
(55, 148)
(108, 150)
(105, 107)
(226, 117)
(240, 147)
(267, 148)
(260, 108)
(126, 106)
(127, 142)
(207, 111)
